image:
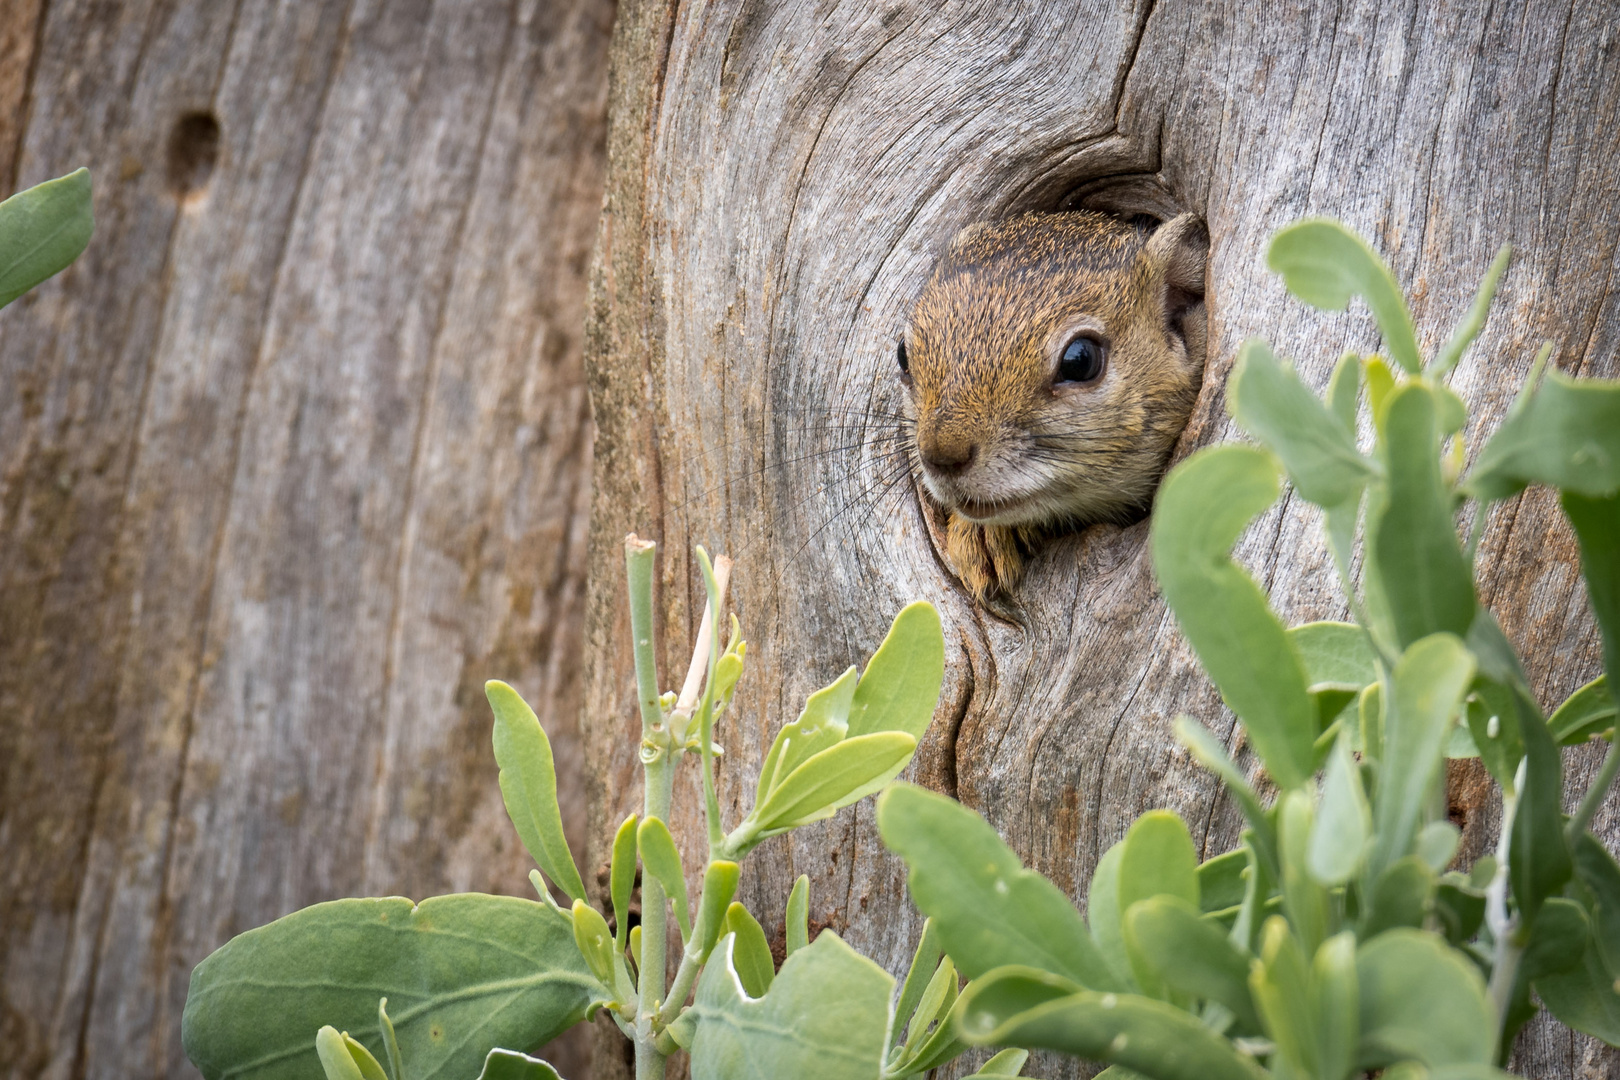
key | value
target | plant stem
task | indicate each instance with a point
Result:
(639, 556)
(1505, 931)
(658, 767)
(1581, 820)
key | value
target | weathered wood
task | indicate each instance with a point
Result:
(780, 180)
(290, 462)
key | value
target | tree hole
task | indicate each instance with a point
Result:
(193, 153)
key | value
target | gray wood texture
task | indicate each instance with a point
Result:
(781, 178)
(291, 461)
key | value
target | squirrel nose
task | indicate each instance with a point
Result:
(947, 458)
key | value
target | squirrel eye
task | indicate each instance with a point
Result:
(1082, 361)
(900, 355)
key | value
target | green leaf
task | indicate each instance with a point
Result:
(1028, 1008)
(750, 955)
(1538, 854)
(900, 687)
(1429, 682)
(1106, 919)
(1344, 388)
(1474, 321)
(1325, 264)
(987, 909)
(1597, 524)
(939, 994)
(1335, 654)
(622, 878)
(466, 973)
(1006, 1063)
(661, 859)
(1587, 712)
(1336, 1004)
(1557, 940)
(924, 960)
(1191, 955)
(1221, 881)
(1202, 744)
(1399, 897)
(1203, 506)
(511, 1065)
(719, 886)
(796, 924)
(1421, 999)
(1316, 447)
(822, 724)
(528, 782)
(1585, 998)
(1564, 433)
(1280, 983)
(385, 1026)
(1460, 908)
(1343, 825)
(595, 943)
(1158, 860)
(42, 230)
(1599, 873)
(834, 778)
(1420, 572)
(826, 1016)
(336, 1059)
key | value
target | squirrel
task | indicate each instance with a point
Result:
(1050, 363)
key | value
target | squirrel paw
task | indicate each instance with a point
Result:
(987, 558)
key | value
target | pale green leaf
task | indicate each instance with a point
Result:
(1421, 999)
(1415, 560)
(1034, 1009)
(511, 1065)
(750, 953)
(1343, 823)
(465, 973)
(796, 924)
(528, 781)
(1325, 264)
(1565, 433)
(1316, 447)
(662, 859)
(825, 1017)
(987, 909)
(1474, 321)
(835, 777)
(1334, 654)
(1203, 506)
(42, 230)
(1429, 682)
(1191, 955)
(1587, 712)
(622, 878)
(822, 724)
(900, 687)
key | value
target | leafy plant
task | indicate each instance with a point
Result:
(1337, 939)
(470, 975)
(42, 230)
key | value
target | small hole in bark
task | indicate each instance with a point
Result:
(193, 153)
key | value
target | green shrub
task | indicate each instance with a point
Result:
(476, 980)
(1338, 939)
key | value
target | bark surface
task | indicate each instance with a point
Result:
(781, 178)
(291, 461)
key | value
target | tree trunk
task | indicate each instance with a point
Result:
(781, 179)
(291, 461)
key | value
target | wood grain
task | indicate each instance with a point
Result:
(292, 460)
(781, 178)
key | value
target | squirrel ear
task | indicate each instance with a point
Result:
(1180, 246)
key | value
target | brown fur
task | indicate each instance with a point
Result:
(982, 348)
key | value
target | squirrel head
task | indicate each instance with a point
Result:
(1050, 363)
